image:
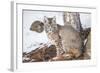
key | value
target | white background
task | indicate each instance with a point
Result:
(5, 35)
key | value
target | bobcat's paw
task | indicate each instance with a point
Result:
(58, 58)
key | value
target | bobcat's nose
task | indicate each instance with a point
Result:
(50, 29)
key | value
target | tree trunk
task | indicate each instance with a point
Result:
(73, 19)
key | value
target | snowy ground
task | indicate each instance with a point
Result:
(31, 39)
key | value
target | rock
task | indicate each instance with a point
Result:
(40, 54)
(50, 52)
(24, 53)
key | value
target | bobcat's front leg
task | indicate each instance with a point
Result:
(59, 49)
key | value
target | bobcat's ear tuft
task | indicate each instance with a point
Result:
(45, 19)
(54, 19)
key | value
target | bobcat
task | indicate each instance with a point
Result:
(52, 31)
(66, 39)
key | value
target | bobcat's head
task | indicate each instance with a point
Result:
(50, 24)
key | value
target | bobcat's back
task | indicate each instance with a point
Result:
(71, 40)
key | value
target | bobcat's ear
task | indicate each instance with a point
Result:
(45, 19)
(54, 19)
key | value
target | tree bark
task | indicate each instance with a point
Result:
(73, 19)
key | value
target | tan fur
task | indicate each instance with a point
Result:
(57, 58)
(66, 39)
(52, 32)
(71, 40)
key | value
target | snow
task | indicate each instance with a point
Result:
(85, 19)
(32, 39)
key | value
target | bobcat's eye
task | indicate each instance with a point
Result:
(55, 27)
(45, 21)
